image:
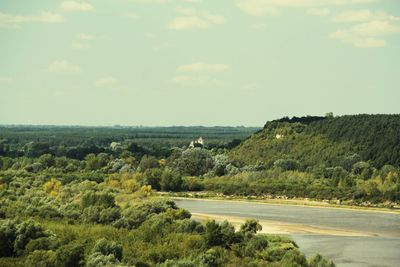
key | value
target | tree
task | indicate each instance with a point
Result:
(7, 238)
(41, 258)
(171, 180)
(287, 164)
(106, 247)
(148, 162)
(52, 187)
(194, 161)
(71, 254)
(25, 232)
(47, 160)
(250, 228)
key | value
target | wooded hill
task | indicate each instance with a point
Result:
(329, 141)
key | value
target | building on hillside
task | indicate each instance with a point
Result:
(197, 143)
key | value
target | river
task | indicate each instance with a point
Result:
(349, 237)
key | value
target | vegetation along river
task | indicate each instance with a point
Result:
(349, 237)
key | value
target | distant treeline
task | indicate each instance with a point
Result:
(76, 142)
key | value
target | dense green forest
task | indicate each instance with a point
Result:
(325, 141)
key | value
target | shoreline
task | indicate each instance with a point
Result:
(290, 202)
(284, 228)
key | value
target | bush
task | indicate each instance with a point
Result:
(71, 254)
(97, 260)
(41, 258)
(25, 232)
(105, 247)
(287, 164)
(7, 238)
(320, 261)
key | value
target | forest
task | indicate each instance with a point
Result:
(87, 196)
(101, 208)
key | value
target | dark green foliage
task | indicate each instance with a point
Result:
(287, 164)
(171, 180)
(320, 261)
(148, 162)
(7, 238)
(374, 138)
(41, 258)
(250, 228)
(42, 243)
(104, 200)
(219, 234)
(106, 247)
(25, 232)
(195, 161)
(71, 254)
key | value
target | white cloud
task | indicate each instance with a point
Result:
(369, 30)
(14, 21)
(6, 80)
(69, 6)
(318, 11)
(62, 66)
(194, 19)
(353, 16)
(80, 46)
(86, 37)
(83, 41)
(357, 41)
(105, 81)
(131, 15)
(271, 7)
(197, 80)
(199, 73)
(258, 26)
(202, 67)
(257, 8)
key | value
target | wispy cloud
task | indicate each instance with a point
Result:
(105, 81)
(194, 19)
(271, 7)
(369, 30)
(353, 16)
(63, 66)
(199, 73)
(83, 41)
(318, 11)
(6, 80)
(202, 67)
(131, 15)
(15, 21)
(197, 80)
(70, 6)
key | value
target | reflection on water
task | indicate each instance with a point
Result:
(380, 250)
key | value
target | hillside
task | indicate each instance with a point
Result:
(329, 141)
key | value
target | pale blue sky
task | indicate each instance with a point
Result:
(196, 62)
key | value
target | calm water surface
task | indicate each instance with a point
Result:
(383, 249)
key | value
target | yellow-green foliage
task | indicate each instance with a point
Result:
(52, 187)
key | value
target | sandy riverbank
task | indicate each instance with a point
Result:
(276, 227)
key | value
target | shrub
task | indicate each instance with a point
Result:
(41, 258)
(105, 247)
(71, 254)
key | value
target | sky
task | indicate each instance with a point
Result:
(196, 62)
